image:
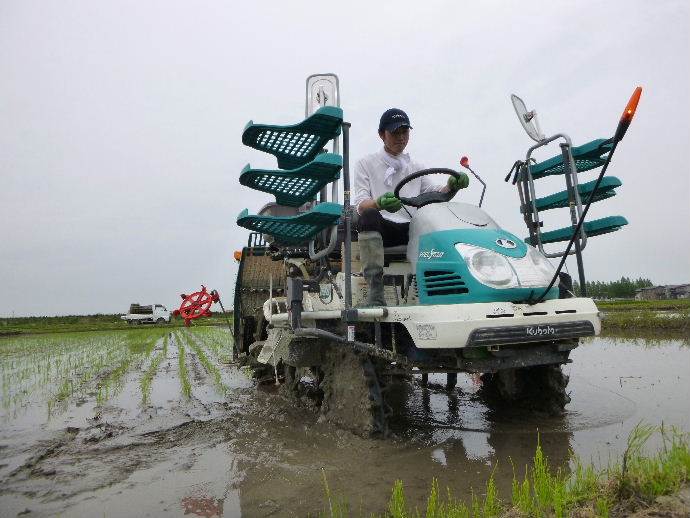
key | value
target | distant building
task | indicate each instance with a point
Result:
(680, 291)
(651, 293)
(671, 291)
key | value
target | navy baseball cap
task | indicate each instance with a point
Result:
(392, 119)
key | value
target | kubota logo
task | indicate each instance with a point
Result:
(540, 331)
(431, 254)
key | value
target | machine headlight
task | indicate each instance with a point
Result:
(488, 267)
(498, 271)
(534, 270)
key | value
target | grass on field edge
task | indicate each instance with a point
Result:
(636, 482)
(632, 320)
(651, 305)
(77, 323)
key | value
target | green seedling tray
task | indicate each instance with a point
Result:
(560, 199)
(293, 230)
(588, 156)
(297, 144)
(593, 228)
(297, 186)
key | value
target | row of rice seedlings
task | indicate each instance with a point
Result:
(92, 379)
(184, 374)
(97, 365)
(140, 346)
(55, 367)
(219, 340)
(584, 491)
(212, 369)
(19, 346)
(218, 343)
(147, 378)
(28, 359)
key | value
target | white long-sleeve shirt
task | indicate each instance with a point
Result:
(370, 184)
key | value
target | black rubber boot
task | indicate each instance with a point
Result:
(371, 257)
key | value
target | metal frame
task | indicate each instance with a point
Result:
(528, 197)
(348, 315)
(331, 238)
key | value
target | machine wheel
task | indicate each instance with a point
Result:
(160, 321)
(353, 393)
(542, 388)
(291, 385)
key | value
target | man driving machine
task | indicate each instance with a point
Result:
(381, 221)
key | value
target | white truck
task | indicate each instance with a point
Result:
(151, 314)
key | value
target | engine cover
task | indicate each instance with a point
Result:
(445, 216)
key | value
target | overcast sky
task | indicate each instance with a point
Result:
(120, 125)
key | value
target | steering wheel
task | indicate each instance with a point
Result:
(426, 198)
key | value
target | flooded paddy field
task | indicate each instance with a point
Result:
(157, 421)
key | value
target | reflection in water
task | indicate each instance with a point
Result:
(202, 506)
(468, 430)
(453, 408)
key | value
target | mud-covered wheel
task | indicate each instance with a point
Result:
(352, 393)
(542, 388)
(291, 384)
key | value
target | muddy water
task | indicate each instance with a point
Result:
(244, 452)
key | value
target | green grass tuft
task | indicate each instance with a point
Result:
(547, 492)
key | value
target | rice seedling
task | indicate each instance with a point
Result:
(210, 367)
(184, 375)
(337, 507)
(648, 477)
(147, 378)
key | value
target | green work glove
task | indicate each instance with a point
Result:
(389, 202)
(455, 184)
